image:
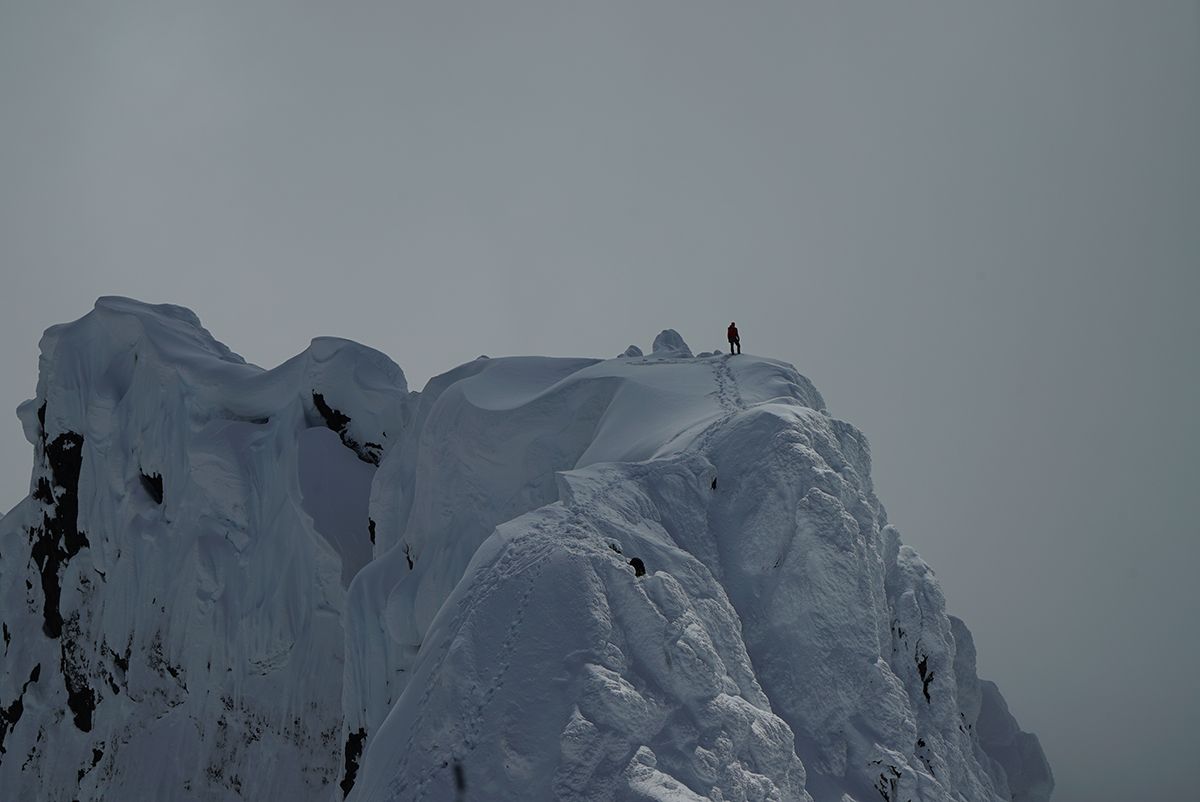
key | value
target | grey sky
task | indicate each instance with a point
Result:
(975, 226)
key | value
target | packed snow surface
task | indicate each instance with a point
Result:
(656, 577)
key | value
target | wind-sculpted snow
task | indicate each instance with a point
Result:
(656, 577)
(192, 646)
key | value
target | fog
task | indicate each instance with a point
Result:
(975, 227)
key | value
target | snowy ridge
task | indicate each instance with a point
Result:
(656, 577)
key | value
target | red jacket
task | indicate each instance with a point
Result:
(733, 335)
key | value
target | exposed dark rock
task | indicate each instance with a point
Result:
(639, 567)
(97, 754)
(47, 558)
(335, 419)
(371, 529)
(339, 422)
(354, 748)
(9, 716)
(43, 491)
(58, 539)
(157, 659)
(81, 699)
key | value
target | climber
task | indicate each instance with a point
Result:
(734, 339)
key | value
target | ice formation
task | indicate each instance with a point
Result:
(654, 577)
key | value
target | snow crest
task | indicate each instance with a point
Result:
(657, 577)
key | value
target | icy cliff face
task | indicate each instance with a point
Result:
(655, 577)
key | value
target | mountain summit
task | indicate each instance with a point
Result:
(657, 577)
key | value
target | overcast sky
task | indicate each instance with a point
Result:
(975, 226)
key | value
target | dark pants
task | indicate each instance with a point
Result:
(735, 341)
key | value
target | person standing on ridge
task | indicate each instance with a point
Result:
(734, 339)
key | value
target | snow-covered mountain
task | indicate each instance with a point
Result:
(658, 577)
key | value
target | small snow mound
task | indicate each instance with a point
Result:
(631, 351)
(669, 343)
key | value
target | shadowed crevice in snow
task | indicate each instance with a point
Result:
(926, 675)
(460, 778)
(335, 488)
(887, 784)
(153, 484)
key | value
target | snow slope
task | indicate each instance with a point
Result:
(657, 577)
